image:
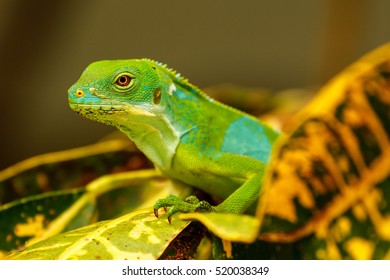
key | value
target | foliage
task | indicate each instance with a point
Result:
(331, 169)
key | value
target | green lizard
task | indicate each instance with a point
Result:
(186, 134)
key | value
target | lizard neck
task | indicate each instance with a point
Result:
(154, 136)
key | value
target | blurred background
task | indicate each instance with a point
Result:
(45, 45)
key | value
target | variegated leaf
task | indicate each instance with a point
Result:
(135, 236)
(328, 185)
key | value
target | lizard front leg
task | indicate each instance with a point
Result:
(237, 202)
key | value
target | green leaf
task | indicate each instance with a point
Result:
(104, 198)
(228, 226)
(135, 236)
(68, 169)
(29, 217)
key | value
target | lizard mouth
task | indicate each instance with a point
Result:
(107, 109)
(98, 107)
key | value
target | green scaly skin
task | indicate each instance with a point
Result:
(185, 133)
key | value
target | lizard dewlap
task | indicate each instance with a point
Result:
(185, 133)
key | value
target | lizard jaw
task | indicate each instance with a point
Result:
(108, 109)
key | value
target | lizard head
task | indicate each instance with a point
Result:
(140, 98)
(111, 88)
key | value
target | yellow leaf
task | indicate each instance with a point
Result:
(332, 162)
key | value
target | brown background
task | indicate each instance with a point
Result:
(44, 46)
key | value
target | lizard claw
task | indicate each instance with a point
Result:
(176, 205)
(156, 212)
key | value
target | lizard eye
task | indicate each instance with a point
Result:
(123, 80)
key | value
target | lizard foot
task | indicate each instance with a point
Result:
(175, 204)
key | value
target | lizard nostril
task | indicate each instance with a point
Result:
(79, 93)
